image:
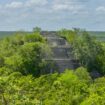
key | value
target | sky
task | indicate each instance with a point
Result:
(52, 14)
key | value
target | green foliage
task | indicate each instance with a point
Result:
(24, 53)
(24, 79)
(86, 49)
(37, 30)
(70, 35)
(82, 74)
(68, 88)
(100, 59)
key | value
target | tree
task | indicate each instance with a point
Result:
(37, 30)
(84, 47)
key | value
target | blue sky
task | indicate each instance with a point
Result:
(52, 14)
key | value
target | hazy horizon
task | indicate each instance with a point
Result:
(31, 30)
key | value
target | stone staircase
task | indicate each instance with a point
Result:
(62, 52)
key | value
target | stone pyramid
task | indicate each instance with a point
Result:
(62, 51)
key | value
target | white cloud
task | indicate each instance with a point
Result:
(49, 13)
(27, 3)
(36, 2)
(100, 9)
(60, 6)
(71, 5)
(14, 5)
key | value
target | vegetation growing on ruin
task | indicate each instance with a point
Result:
(89, 51)
(25, 77)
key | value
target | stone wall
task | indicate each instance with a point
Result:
(62, 51)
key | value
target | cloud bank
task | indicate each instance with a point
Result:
(51, 14)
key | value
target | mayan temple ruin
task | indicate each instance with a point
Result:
(62, 51)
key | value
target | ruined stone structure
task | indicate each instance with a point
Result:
(62, 52)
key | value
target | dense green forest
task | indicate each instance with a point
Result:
(25, 77)
(100, 35)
